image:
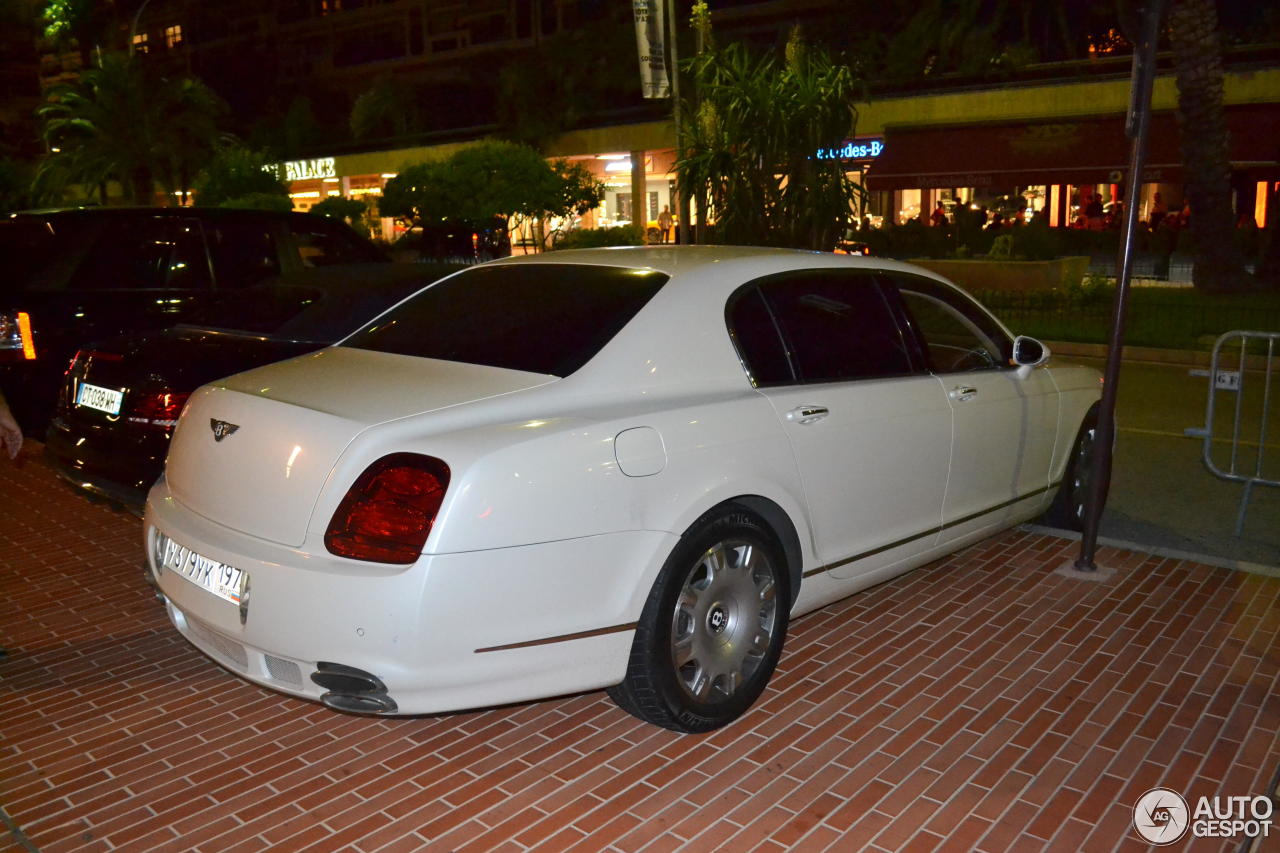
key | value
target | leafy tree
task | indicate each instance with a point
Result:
(241, 177)
(490, 180)
(76, 24)
(349, 210)
(568, 77)
(119, 123)
(750, 150)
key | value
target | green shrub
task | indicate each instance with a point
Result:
(1002, 248)
(1034, 242)
(592, 238)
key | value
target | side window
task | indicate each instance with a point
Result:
(322, 247)
(836, 326)
(244, 252)
(957, 334)
(755, 334)
(147, 253)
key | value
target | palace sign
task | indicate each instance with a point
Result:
(307, 170)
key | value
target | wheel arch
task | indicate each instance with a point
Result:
(779, 522)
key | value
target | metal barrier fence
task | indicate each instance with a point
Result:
(1227, 378)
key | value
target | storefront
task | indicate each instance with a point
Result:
(311, 181)
(1066, 168)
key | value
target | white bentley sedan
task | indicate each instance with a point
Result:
(614, 468)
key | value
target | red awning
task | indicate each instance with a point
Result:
(1075, 151)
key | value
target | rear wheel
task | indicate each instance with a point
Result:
(1067, 510)
(712, 628)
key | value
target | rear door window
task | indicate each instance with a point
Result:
(540, 318)
(244, 252)
(145, 253)
(320, 244)
(825, 325)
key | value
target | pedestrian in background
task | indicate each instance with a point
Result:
(664, 223)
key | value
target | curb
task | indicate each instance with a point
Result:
(1169, 553)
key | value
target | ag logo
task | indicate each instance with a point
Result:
(221, 429)
(1161, 816)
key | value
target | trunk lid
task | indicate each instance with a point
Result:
(284, 426)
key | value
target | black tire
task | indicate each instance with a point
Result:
(703, 652)
(1067, 509)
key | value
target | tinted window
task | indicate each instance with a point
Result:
(836, 326)
(131, 253)
(25, 247)
(321, 246)
(957, 335)
(541, 318)
(244, 252)
(759, 343)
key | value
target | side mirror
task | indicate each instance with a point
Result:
(1028, 353)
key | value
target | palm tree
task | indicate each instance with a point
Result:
(191, 135)
(1194, 36)
(117, 123)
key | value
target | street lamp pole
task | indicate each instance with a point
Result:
(673, 66)
(1136, 127)
(133, 28)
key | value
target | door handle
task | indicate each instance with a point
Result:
(960, 393)
(807, 414)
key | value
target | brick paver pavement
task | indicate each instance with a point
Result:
(979, 703)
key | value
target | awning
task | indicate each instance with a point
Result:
(1080, 151)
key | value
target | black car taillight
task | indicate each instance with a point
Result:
(387, 513)
(156, 408)
(16, 341)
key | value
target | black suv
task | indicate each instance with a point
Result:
(72, 276)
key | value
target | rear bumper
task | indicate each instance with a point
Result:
(451, 632)
(105, 464)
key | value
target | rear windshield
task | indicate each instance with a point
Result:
(540, 318)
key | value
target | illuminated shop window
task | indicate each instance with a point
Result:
(173, 35)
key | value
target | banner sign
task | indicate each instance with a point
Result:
(652, 47)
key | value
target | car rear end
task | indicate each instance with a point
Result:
(382, 525)
(112, 425)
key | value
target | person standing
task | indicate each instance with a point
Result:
(1158, 211)
(665, 220)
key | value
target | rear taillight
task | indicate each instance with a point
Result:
(158, 409)
(387, 513)
(16, 342)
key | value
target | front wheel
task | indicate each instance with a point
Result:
(712, 628)
(1067, 510)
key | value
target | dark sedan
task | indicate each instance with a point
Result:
(121, 398)
(75, 275)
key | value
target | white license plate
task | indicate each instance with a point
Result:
(96, 397)
(226, 582)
